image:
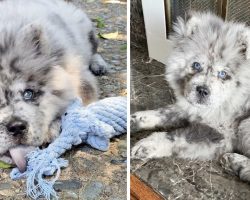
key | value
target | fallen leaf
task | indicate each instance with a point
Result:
(4, 165)
(115, 1)
(108, 35)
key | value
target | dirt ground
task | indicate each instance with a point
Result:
(174, 178)
(93, 175)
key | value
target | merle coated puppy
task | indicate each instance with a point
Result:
(209, 72)
(46, 50)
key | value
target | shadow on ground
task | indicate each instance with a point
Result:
(174, 178)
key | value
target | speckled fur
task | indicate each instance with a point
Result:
(48, 46)
(220, 123)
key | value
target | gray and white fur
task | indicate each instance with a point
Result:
(209, 71)
(47, 52)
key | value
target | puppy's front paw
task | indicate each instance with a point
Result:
(139, 121)
(98, 66)
(143, 150)
(156, 145)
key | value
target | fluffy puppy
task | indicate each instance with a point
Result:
(46, 50)
(209, 72)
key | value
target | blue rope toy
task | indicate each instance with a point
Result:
(94, 124)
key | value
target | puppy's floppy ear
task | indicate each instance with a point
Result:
(32, 36)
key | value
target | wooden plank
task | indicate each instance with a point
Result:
(133, 197)
(140, 191)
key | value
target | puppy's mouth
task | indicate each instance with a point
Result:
(196, 100)
(199, 103)
(18, 155)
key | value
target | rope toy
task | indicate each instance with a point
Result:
(94, 124)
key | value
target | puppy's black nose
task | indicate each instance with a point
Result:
(202, 91)
(17, 126)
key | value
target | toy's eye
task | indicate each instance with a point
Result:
(222, 74)
(28, 94)
(196, 66)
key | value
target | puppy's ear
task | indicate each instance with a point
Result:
(184, 27)
(243, 40)
(194, 21)
(32, 36)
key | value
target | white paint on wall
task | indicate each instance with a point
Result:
(159, 46)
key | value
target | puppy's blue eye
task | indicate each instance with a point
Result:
(222, 74)
(196, 66)
(28, 94)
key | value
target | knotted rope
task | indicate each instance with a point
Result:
(94, 124)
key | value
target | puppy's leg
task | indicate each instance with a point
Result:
(89, 89)
(162, 118)
(54, 130)
(194, 142)
(97, 65)
(236, 164)
(155, 146)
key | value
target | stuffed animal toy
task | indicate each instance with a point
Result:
(94, 124)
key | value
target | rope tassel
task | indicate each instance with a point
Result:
(94, 124)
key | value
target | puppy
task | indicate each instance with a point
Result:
(209, 72)
(46, 50)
